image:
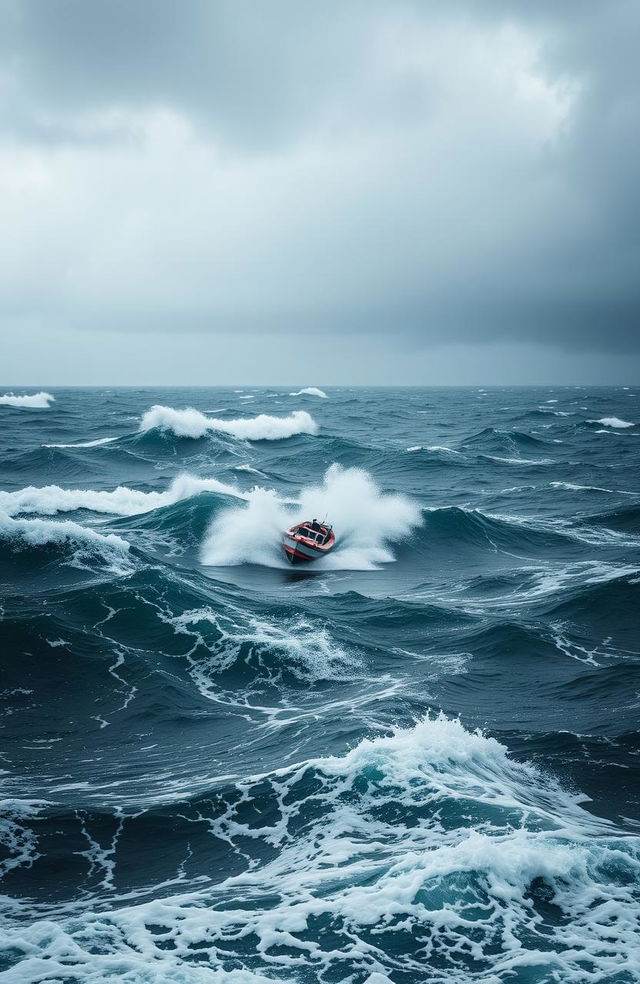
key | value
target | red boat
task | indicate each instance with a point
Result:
(307, 541)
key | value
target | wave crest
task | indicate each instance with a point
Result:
(37, 401)
(27, 534)
(310, 391)
(123, 501)
(192, 423)
(612, 422)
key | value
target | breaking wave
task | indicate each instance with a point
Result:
(253, 775)
(84, 444)
(192, 423)
(426, 849)
(122, 501)
(39, 401)
(368, 522)
(29, 534)
(310, 391)
(612, 422)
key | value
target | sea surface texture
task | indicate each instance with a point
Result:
(416, 760)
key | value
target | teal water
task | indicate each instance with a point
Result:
(415, 760)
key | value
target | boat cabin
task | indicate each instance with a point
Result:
(315, 531)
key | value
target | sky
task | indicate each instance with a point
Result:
(338, 192)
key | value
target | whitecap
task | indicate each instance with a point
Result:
(192, 423)
(611, 422)
(310, 391)
(84, 444)
(123, 501)
(520, 461)
(23, 534)
(250, 469)
(570, 487)
(37, 401)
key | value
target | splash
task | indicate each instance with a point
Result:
(36, 401)
(366, 522)
(310, 391)
(192, 423)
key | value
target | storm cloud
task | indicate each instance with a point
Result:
(440, 174)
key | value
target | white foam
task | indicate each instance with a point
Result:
(250, 469)
(310, 391)
(25, 533)
(430, 839)
(304, 648)
(570, 487)
(39, 401)
(192, 423)
(520, 461)
(433, 447)
(611, 422)
(84, 444)
(366, 522)
(123, 501)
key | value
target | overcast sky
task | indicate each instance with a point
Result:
(243, 191)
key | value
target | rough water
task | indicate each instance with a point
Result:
(417, 760)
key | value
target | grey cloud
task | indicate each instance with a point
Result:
(255, 73)
(330, 180)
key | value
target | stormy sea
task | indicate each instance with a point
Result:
(414, 760)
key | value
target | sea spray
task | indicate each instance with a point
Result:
(366, 521)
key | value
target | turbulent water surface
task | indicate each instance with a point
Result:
(417, 760)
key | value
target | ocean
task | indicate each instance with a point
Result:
(415, 760)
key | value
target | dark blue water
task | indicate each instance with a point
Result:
(417, 760)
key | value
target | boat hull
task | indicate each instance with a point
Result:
(299, 551)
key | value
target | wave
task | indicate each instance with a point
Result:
(611, 422)
(426, 840)
(123, 501)
(225, 640)
(518, 461)
(38, 401)
(192, 423)
(625, 519)
(451, 528)
(250, 469)
(571, 487)
(607, 604)
(504, 439)
(367, 522)
(434, 448)
(84, 444)
(29, 534)
(310, 391)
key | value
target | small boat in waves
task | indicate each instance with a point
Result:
(307, 541)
